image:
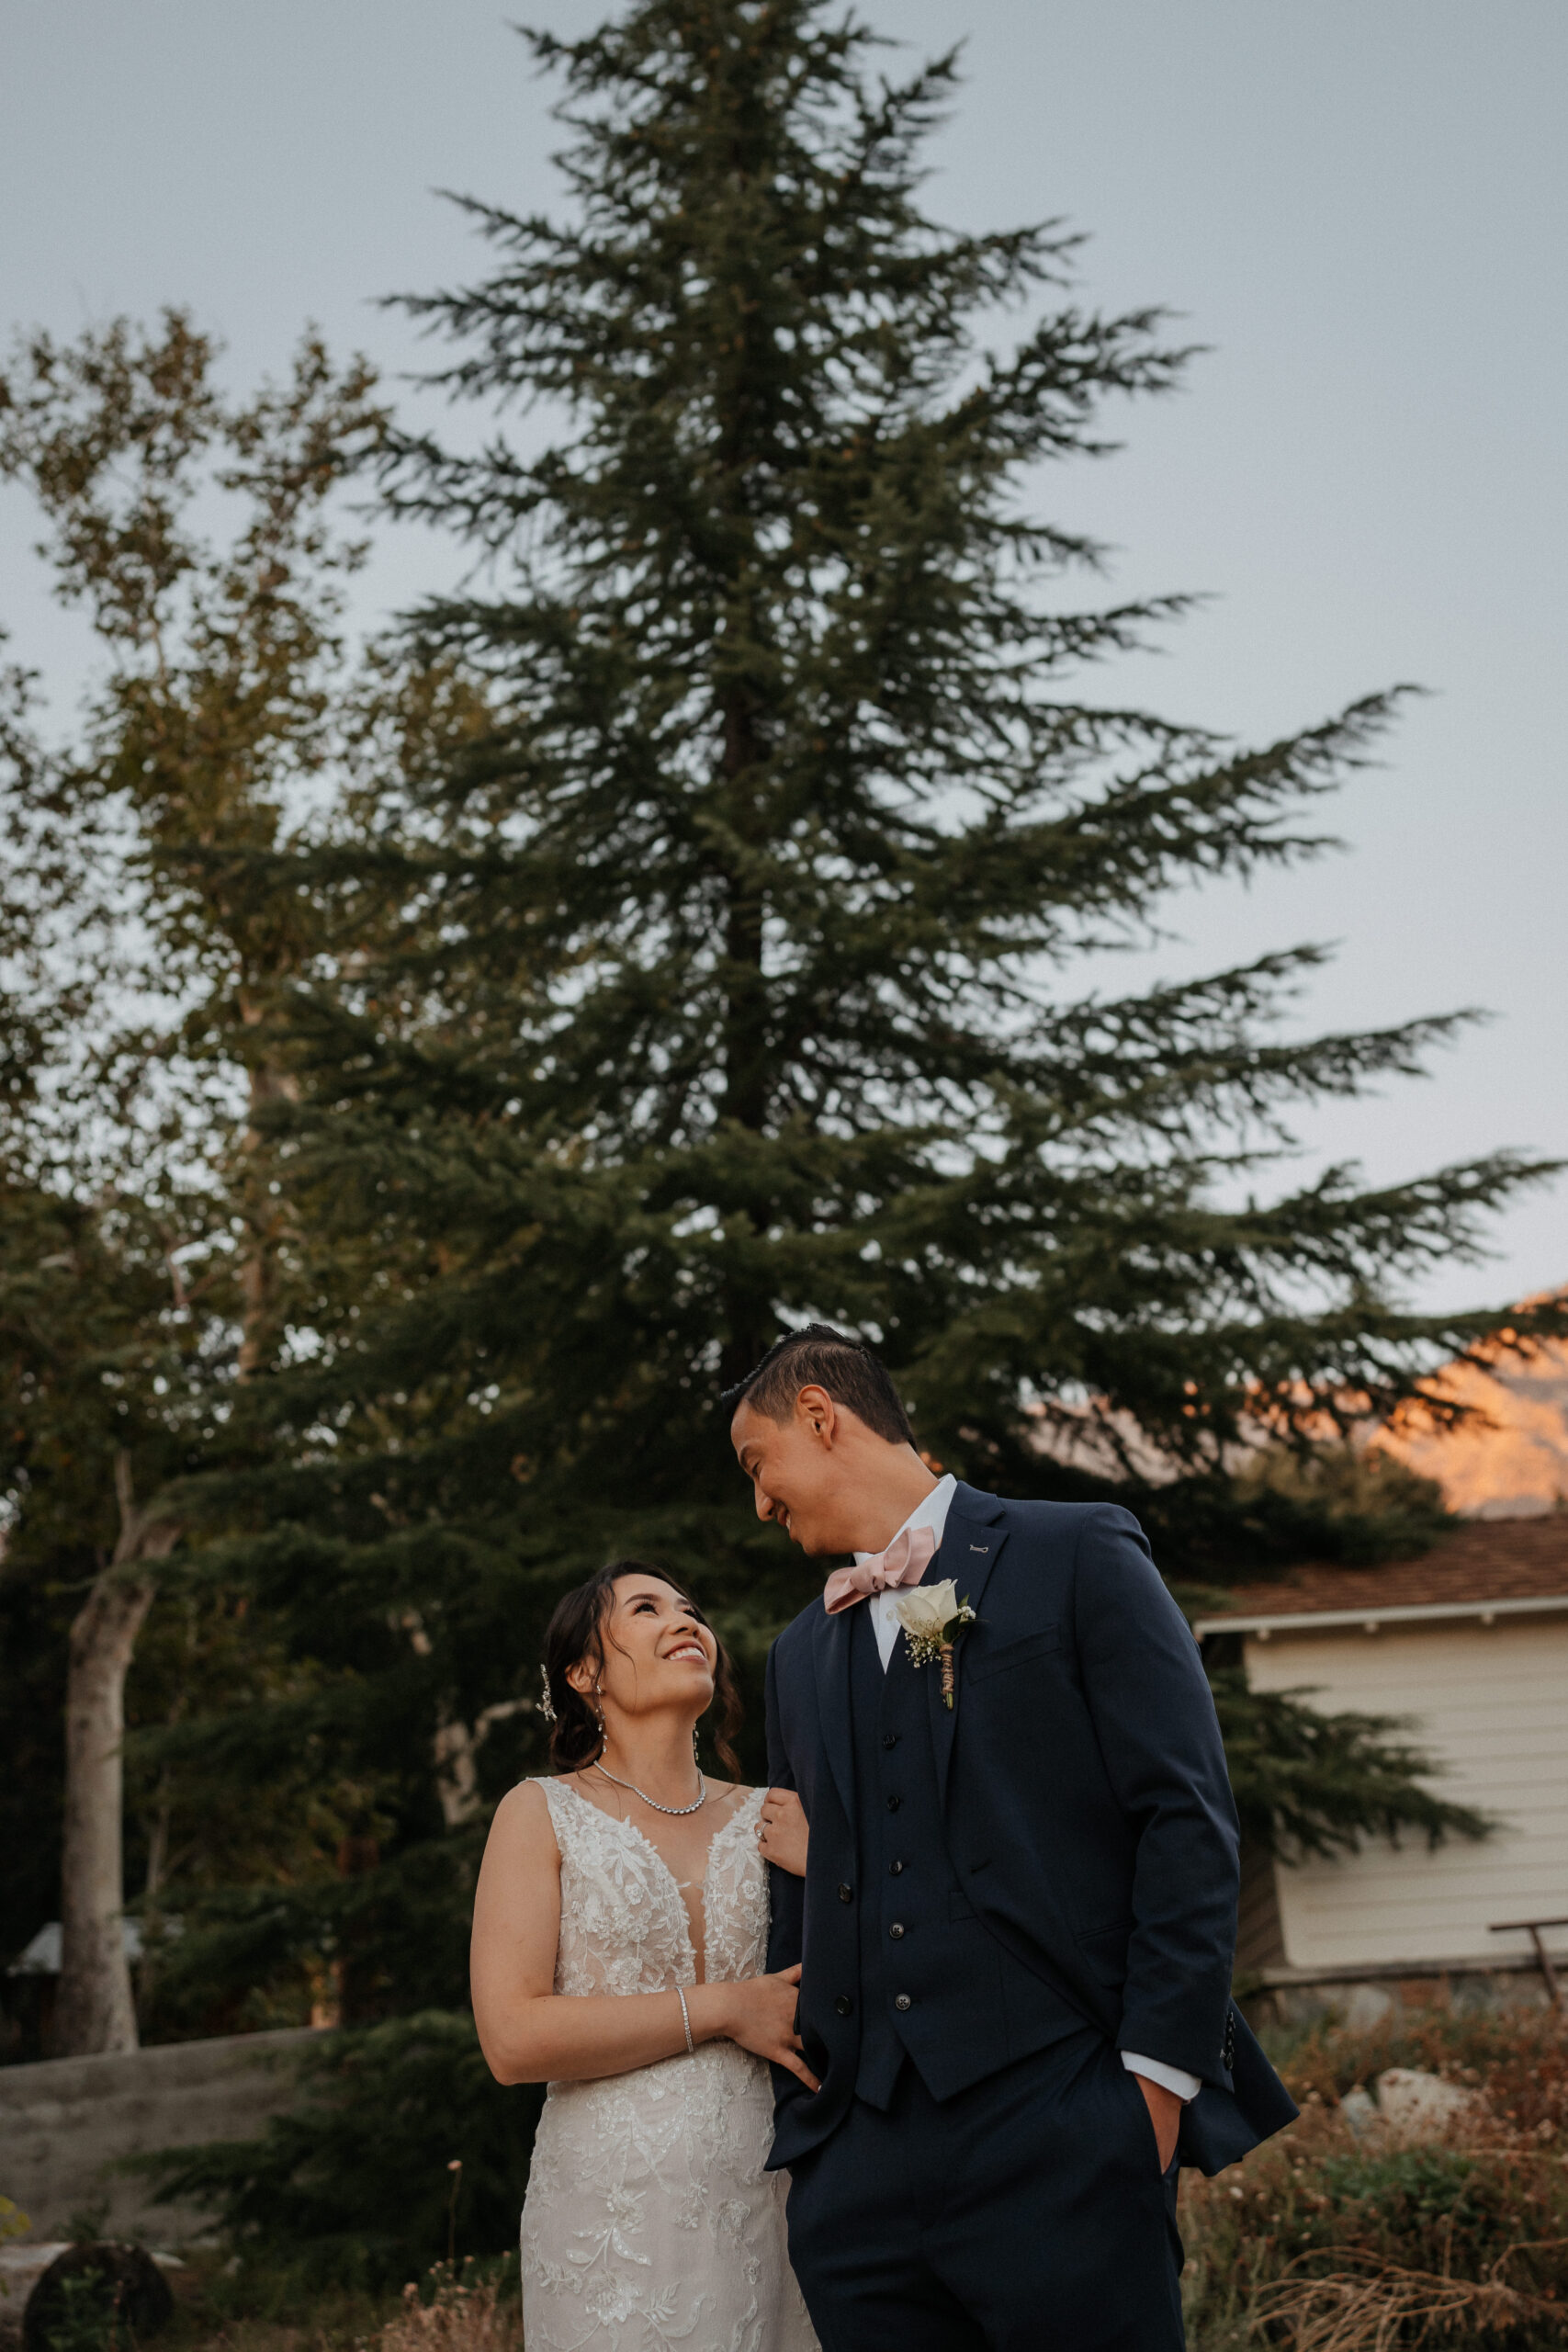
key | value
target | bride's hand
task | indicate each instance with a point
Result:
(760, 2014)
(782, 1834)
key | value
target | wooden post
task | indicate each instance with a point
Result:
(1532, 1928)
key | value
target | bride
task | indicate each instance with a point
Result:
(620, 1927)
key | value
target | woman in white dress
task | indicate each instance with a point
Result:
(620, 1930)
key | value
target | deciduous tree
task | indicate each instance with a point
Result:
(197, 755)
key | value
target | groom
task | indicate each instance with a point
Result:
(1017, 1916)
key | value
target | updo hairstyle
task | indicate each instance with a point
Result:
(576, 1631)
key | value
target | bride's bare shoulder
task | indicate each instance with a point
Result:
(525, 1796)
(522, 1819)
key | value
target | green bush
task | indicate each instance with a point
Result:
(86, 2317)
(355, 2187)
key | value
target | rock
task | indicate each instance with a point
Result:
(1419, 2106)
(21, 2268)
(1368, 2006)
(1359, 2112)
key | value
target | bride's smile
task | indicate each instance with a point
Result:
(650, 1678)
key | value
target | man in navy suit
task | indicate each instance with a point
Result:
(1018, 1918)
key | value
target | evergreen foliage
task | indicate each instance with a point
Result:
(1312, 1783)
(732, 865)
(355, 2188)
(694, 924)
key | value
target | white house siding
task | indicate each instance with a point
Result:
(1492, 1704)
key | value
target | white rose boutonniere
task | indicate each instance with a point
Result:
(933, 1617)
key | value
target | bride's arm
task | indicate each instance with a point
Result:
(531, 2033)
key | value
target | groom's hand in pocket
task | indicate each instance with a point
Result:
(1164, 2114)
(760, 2014)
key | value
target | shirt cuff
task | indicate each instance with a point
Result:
(1169, 2078)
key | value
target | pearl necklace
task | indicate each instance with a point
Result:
(675, 1810)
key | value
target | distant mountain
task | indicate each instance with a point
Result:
(1511, 1464)
(1517, 1468)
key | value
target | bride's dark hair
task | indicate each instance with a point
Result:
(576, 1631)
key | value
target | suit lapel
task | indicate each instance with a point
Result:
(971, 1545)
(831, 1657)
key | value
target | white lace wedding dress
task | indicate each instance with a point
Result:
(649, 2220)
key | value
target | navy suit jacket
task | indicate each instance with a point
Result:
(1086, 1810)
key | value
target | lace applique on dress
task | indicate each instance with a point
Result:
(649, 2220)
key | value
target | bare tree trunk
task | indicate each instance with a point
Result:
(96, 2011)
(455, 1747)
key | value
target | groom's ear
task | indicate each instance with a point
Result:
(818, 1414)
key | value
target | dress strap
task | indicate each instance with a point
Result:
(558, 1796)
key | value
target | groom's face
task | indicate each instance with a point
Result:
(798, 1474)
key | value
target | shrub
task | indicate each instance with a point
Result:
(355, 2187)
(1330, 2243)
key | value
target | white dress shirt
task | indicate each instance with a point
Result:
(932, 1513)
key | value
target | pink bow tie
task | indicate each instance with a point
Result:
(904, 1562)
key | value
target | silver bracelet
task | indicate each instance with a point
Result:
(686, 2021)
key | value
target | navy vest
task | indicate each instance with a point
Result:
(935, 1987)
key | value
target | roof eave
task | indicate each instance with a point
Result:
(1371, 1620)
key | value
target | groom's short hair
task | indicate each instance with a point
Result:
(822, 1357)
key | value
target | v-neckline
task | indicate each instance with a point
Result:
(644, 1839)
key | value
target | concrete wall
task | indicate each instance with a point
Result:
(63, 2123)
(1375, 1998)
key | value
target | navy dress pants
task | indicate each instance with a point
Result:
(1027, 2214)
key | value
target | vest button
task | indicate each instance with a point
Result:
(843, 2004)
(895, 1869)
(896, 1931)
(889, 1739)
(894, 1803)
(846, 1894)
(901, 2001)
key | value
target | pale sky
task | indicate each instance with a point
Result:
(1359, 206)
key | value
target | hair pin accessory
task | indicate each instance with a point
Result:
(545, 1709)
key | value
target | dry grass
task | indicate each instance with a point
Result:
(219, 2310)
(1374, 2307)
(463, 2315)
(1325, 2241)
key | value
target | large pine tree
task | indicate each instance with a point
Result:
(732, 877)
